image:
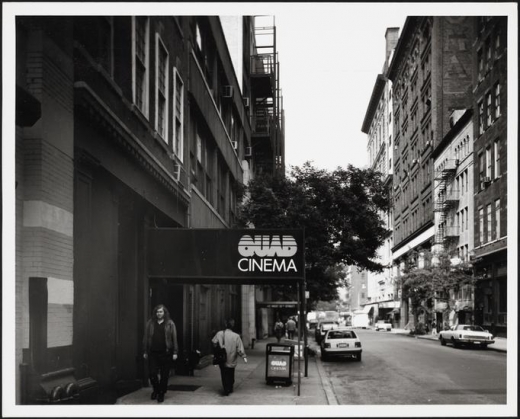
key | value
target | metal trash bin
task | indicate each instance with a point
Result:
(279, 363)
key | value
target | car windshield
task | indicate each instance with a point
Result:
(471, 328)
(341, 334)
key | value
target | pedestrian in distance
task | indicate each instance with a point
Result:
(279, 330)
(160, 349)
(291, 328)
(232, 342)
(434, 327)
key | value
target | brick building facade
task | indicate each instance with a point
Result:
(490, 171)
(431, 72)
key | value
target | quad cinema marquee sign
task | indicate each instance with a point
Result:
(226, 255)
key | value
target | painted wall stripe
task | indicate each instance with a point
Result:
(42, 214)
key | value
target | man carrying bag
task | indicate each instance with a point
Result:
(227, 347)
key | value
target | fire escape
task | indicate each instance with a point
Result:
(267, 120)
(446, 199)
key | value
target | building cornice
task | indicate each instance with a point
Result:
(452, 133)
(409, 26)
(97, 110)
(377, 91)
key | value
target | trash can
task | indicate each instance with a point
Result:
(279, 363)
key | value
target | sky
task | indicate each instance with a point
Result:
(329, 62)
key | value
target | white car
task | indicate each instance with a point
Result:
(383, 326)
(466, 334)
(341, 342)
(322, 329)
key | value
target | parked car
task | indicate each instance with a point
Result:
(341, 342)
(382, 325)
(466, 334)
(323, 327)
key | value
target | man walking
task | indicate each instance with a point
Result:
(234, 347)
(291, 328)
(160, 348)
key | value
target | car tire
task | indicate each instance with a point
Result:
(443, 342)
(358, 357)
(324, 356)
(454, 343)
(484, 346)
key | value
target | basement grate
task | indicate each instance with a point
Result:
(183, 387)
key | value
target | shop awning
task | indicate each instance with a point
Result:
(390, 304)
(364, 310)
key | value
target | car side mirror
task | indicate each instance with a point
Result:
(487, 331)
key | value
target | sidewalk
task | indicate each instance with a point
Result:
(499, 345)
(205, 387)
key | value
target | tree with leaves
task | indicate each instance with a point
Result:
(434, 280)
(339, 211)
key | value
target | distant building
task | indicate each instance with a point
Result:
(380, 130)
(489, 102)
(453, 212)
(358, 291)
(431, 74)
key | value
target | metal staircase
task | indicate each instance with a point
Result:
(446, 200)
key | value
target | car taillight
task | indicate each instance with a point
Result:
(327, 345)
(358, 344)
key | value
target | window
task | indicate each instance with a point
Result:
(481, 225)
(467, 218)
(461, 220)
(198, 36)
(497, 157)
(488, 53)
(199, 149)
(221, 188)
(497, 44)
(489, 229)
(497, 219)
(488, 162)
(489, 115)
(480, 64)
(140, 62)
(497, 100)
(161, 88)
(481, 168)
(467, 180)
(178, 115)
(481, 118)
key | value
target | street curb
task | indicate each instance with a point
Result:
(327, 387)
(489, 348)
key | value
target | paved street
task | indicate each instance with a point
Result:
(398, 369)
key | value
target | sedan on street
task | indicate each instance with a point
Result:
(322, 329)
(341, 342)
(466, 334)
(381, 325)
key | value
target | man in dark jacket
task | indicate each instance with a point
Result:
(160, 348)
